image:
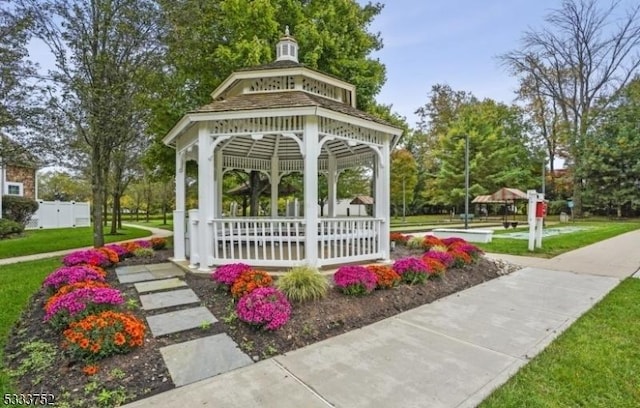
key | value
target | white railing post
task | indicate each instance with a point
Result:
(194, 258)
(178, 236)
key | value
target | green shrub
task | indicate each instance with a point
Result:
(9, 227)
(18, 209)
(415, 242)
(143, 252)
(303, 283)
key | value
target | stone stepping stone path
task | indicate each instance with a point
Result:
(198, 359)
(173, 322)
(156, 285)
(159, 287)
(163, 300)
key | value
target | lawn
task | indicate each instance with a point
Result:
(593, 364)
(552, 246)
(50, 240)
(17, 283)
(154, 223)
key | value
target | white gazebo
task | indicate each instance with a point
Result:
(278, 119)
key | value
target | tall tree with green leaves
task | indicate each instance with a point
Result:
(104, 51)
(499, 153)
(582, 58)
(612, 164)
(207, 41)
(404, 177)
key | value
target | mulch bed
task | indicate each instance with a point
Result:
(142, 373)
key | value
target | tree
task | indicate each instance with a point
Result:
(207, 41)
(582, 59)
(104, 51)
(62, 186)
(612, 165)
(404, 176)
(498, 153)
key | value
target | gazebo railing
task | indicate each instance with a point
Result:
(280, 242)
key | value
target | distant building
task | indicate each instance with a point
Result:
(17, 169)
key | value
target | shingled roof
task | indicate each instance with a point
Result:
(284, 99)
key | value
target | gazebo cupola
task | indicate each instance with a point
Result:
(281, 118)
(287, 48)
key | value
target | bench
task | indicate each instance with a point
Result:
(468, 216)
(470, 235)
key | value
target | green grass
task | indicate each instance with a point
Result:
(593, 364)
(17, 283)
(50, 240)
(153, 223)
(559, 244)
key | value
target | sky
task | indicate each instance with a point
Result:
(452, 42)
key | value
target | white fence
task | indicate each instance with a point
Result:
(60, 214)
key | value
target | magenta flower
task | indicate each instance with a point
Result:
(355, 280)
(452, 240)
(118, 249)
(71, 274)
(143, 243)
(80, 300)
(411, 270)
(87, 256)
(444, 257)
(227, 274)
(264, 307)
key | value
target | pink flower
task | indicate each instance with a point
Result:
(405, 265)
(445, 258)
(87, 256)
(355, 280)
(264, 307)
(227, 274)
(71, 274)
(77, 301)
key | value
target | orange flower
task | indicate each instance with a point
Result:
(249, 281)
(386, 277)
(95, 348)
(90, 369)
(84, 343)
(119, 339)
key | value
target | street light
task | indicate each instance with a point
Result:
(466, 181)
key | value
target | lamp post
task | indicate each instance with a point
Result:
(404, 201)
(466, 181)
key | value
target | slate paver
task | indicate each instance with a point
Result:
(167, 273)
(202, 358)
(168, 299)
(173, 322)
(163, 266)
(157, 285)
(136, 277)
(127, 270)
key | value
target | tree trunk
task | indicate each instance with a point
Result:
(254, 184)
(97, 193)
(114, 214)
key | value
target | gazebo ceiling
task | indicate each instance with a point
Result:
(276, 145)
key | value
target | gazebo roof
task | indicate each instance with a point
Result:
(284, 99)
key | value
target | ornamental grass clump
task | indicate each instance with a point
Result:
(102, 335)
(266, 308)
(250, 280)
(443, 257)
(143, 252)
(411, 270)
(227, 274)
(303, 283)
(80, 303)
(71, 274)
(86, 256)
(355, 280)
(386, 277)
(415, 242)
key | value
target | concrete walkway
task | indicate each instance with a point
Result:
(450, 353)
(155, 232)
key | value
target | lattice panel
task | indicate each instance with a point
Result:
(258, 125)
(235, 162)
(320, 88)
(355, 161)
(272, 84)
(346, 130)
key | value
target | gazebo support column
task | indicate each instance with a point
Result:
(205, 196)
(332, 181)
(382, 204)
(178, 215)
(218, 180)
(311, 153)
(275, 181)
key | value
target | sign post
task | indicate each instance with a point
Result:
(536, 212)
